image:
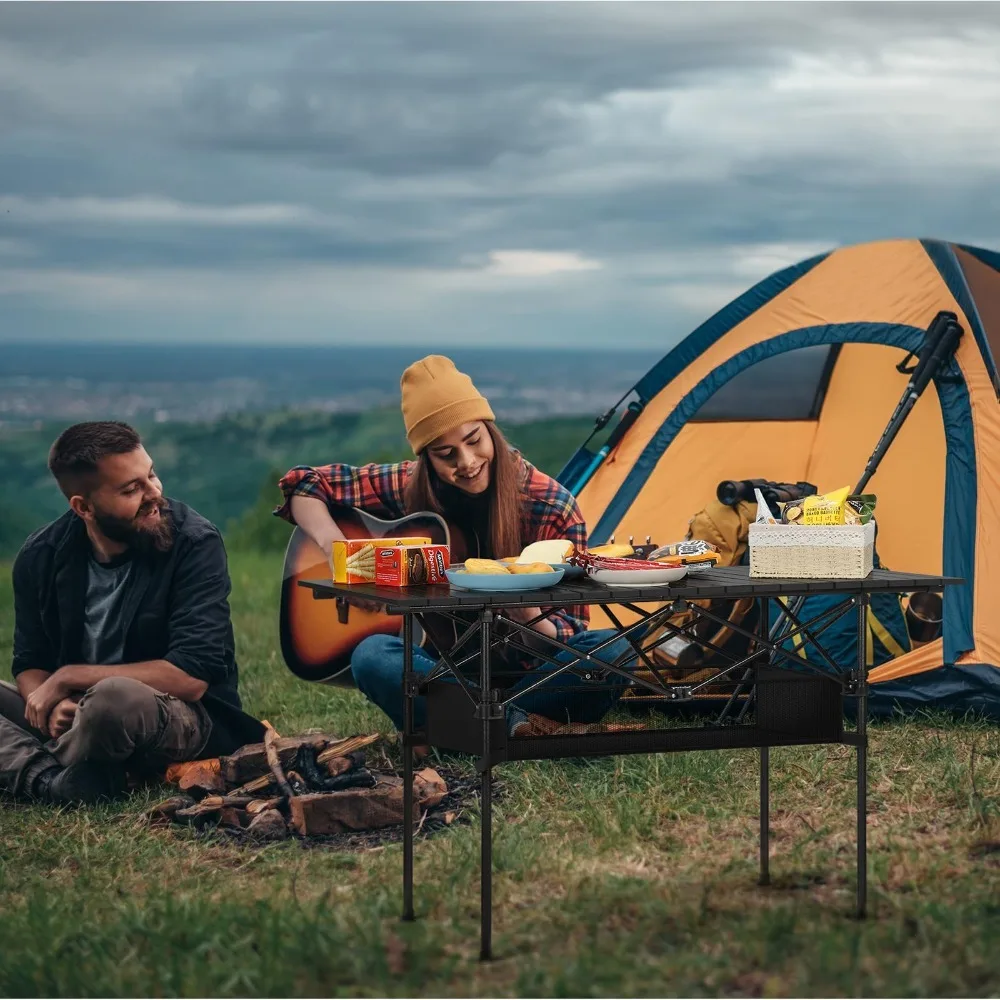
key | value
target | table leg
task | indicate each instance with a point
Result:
(862, 717)
(408, 678)
(486, 842)
(765, 771)
(765, 806)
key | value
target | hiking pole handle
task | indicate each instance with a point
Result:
(942, 340)
(937, 333)
(943, 349)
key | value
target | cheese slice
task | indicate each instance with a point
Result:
(553, 551)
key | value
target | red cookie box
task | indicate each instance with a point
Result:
(411, 565)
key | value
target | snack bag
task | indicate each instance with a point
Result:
(825, 509)
(690, 552)
(860, 509)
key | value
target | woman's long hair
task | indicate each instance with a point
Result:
(506, 526)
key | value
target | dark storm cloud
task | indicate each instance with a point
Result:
(372, 160)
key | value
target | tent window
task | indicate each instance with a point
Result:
(788, 386)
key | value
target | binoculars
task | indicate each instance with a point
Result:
(732, 491)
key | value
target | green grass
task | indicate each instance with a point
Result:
(624, 876)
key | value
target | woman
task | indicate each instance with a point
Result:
(466, 471)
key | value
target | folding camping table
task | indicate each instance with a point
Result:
(770, 697)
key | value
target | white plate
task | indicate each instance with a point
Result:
(638, 577)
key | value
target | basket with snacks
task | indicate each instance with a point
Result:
(828, 536)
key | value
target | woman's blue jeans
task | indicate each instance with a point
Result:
(377, 666)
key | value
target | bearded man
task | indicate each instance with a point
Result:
(124, 656)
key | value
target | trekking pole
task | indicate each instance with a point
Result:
(940, 343)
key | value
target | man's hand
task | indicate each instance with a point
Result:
(41, 701)
(61, 717)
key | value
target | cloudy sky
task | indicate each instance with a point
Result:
(530, 173)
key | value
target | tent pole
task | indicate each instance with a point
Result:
(628, 418)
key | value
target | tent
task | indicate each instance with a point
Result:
(795, 380)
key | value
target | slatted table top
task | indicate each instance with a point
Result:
(726, 582)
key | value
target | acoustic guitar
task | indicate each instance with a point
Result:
(318, 638)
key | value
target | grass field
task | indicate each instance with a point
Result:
(622, 877)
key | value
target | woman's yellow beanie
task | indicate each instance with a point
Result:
(437, 398)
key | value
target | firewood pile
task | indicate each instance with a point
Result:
(312, 786)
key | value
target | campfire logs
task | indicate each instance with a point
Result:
(310, 785)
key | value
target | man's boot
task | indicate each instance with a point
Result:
(86, 783)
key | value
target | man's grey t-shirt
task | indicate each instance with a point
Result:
(103, 628)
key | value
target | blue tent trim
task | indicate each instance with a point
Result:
(960, 502)
(943, 257)
(960, 463)
(967, 689)
(717, 326)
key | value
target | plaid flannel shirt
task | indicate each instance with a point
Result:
(548, 510)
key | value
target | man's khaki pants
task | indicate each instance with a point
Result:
(119, 720)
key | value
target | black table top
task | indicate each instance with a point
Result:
(726, 582)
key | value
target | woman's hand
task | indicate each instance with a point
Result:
(522, 615)
(313, 517)
(544, 626)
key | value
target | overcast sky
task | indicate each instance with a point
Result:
(532, 173)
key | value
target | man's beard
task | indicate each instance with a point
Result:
(139, 537)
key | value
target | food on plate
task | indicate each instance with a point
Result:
(485, 567)
(690, 552)
(613, 550)
(535, 567)
(548, 550)
(623, 562)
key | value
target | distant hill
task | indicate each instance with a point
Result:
(227, 469)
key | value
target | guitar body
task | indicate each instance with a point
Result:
(319, 637)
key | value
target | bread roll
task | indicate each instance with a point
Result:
(485, 567)
(535, 567)
(549, 550)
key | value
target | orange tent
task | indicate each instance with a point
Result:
(795, 381)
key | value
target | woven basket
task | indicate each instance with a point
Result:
(812, 552)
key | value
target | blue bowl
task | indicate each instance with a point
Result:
(457, 577)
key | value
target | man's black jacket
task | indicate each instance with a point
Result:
(176, 609)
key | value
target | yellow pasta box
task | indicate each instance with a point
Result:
(411, 565)
(353, 559)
